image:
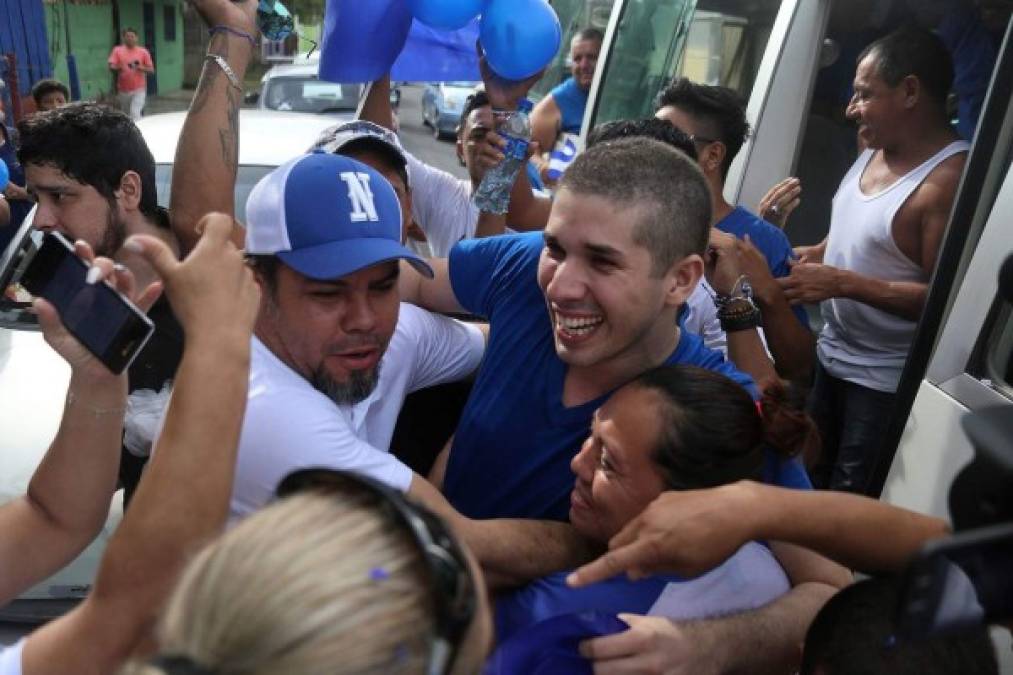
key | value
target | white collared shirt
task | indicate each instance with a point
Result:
(290, 425)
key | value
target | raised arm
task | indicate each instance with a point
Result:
(68, 497)
(207, 156)
(745, 349)
(526, 211)
(376, 107)
(183, 496)
(791, 343)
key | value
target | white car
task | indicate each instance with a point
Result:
(296, 88)
(267, 138)
(33, 378)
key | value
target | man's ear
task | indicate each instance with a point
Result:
(714, 156)
(129, 191)
(911, 87)
(682, 278)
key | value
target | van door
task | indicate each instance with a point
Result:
(767, 50)
(962, 356)
(959, 359)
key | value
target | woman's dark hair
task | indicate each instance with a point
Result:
(92, 144)
(712, 432)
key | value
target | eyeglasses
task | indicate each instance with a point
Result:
(453, 586)
(703, 139)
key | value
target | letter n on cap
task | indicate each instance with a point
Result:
(360, 197)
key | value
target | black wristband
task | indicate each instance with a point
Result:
(740, 321)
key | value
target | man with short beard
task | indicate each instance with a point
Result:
(334, 352)
(93, 178)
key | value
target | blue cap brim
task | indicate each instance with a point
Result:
(340, 258)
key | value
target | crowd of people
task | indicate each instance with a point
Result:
(629, 487)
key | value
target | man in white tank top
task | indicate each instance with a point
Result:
(871, 273)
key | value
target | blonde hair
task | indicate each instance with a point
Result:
(310, 585)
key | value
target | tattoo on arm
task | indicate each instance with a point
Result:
(229, 136)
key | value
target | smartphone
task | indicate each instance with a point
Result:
(101, 318)
(961, 581)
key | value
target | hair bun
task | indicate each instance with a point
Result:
(787, 428)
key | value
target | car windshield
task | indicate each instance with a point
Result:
(308, 94)
(246, 178)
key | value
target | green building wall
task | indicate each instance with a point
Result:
(168, 54)
(92, 38)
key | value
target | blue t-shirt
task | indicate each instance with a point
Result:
(571, 101)
(549, 596)
(513, 446)
(551, 647)
(771, 241)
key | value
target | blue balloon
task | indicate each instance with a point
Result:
(446, 14)
(361, 39)
(520, 37)
(5, 175)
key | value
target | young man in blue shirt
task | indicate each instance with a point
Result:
(715, 118)
(575, 313)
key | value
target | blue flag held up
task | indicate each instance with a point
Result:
(432, 55)
(361, 40)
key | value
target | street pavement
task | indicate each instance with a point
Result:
(417, 139)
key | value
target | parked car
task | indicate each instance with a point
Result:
(296, 88)
(266, 139)
(442, 103)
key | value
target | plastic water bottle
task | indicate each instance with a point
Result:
(493, 194)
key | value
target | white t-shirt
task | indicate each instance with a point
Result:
(10, 659)
(290, 425)
(749, 579)
(441, 206)
(701, 318)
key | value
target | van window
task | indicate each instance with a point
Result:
(999, 359)
(711, 41)
(575, 16)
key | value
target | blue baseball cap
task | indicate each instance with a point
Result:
(327, 216)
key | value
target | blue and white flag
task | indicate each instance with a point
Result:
(562, 156)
